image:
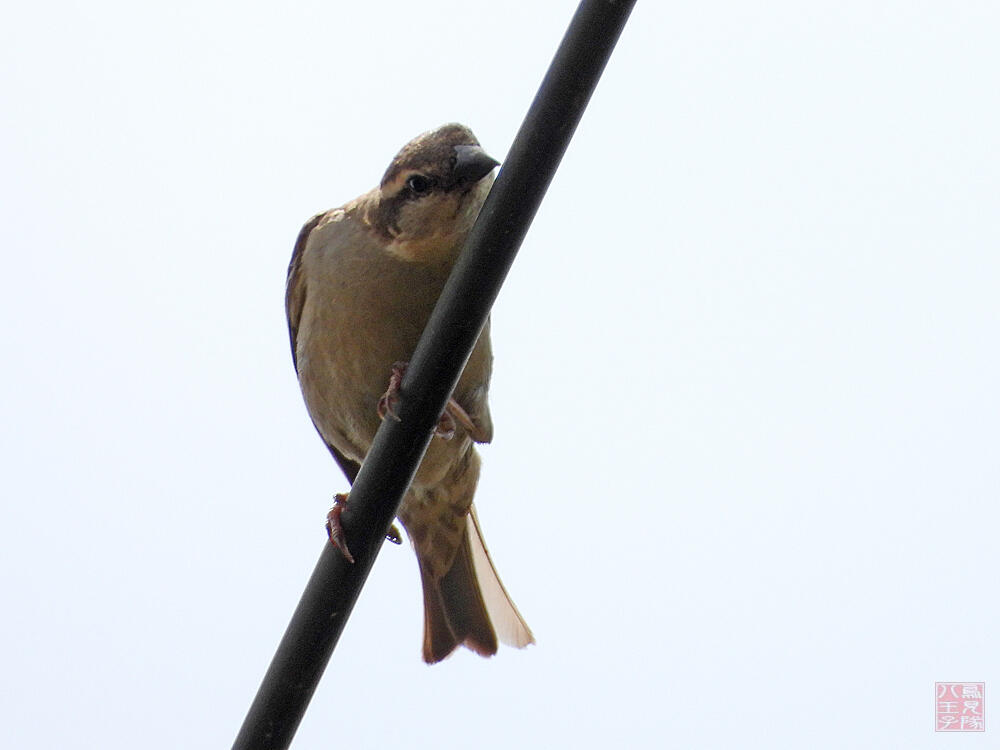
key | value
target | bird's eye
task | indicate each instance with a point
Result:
(419, 184)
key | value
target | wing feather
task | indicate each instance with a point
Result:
(295, 300)
(295, 285)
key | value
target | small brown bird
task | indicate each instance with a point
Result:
(361, 286)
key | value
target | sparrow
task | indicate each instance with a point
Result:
(362, 283)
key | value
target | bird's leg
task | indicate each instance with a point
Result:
(336, 531)
(387, 404)
(456, 413)
(445, 428)
(446, 425)
(333, 528)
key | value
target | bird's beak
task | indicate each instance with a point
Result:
(472, 164)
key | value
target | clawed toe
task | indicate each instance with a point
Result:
(335, 530)
(333, 527)
(445, 428)
(387, 404)
(453, 415)
(456, 413)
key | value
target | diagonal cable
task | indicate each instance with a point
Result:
(434, 370)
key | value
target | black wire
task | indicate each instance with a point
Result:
(433, 373)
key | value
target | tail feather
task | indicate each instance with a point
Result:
(510, 625)
(454, 611)
(439, 639)
(469, 605)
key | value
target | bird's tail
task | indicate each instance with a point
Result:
(469, 606)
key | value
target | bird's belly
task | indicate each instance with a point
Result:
(345, 360)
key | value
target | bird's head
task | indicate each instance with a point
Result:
(431, 194)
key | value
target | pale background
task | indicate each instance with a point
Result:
(745, 478)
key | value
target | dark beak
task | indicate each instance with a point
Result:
(472, 164)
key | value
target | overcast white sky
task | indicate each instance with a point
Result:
(745, 476)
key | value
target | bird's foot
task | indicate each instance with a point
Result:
(453, 413)
(387, 404)
(445, 428)
(333, 528)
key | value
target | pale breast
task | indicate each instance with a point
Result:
(363, 311)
